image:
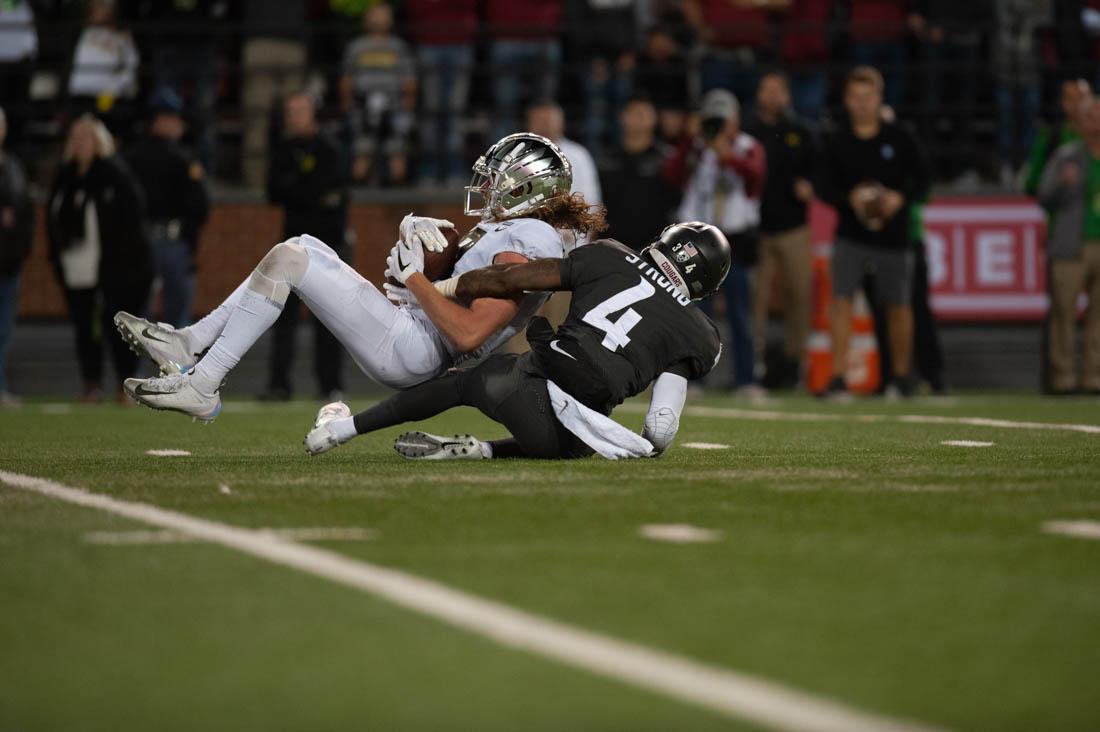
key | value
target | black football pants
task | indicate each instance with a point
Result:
(505, 388)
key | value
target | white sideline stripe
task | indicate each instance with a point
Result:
(1076, 529)
(706, 445)
(772, 416)
(168, 453)
(679, 533)
(168, 536)
(727, 692)
(967, 443)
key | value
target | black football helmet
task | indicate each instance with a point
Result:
(694, 255)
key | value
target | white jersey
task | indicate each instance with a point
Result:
(531, 238)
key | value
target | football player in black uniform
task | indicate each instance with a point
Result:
(631, 324)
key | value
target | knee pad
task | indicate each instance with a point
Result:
(280, 271)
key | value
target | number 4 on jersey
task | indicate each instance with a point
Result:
(617, 330)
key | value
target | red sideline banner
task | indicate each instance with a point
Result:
(986, 257)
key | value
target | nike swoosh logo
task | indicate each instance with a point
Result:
(400, 264)
(554, 346)
(145, 332)
(140, 390)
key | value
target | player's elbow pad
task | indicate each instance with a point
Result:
(661, 426)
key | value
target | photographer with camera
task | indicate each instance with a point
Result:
(721, 171)
(873, 172)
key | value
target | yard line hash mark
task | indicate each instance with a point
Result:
(725, 691)
(1082, 529)
(679, 533)
(967, 443)
(706, 446)
(168, 453)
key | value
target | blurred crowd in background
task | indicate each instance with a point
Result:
(416, 89)
(735, 112)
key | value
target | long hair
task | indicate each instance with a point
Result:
(570, 211)
(104, 143)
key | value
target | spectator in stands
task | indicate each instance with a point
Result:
(524, 53)
(18, 49)
(1070, 188)
(273, 63)
(950, 33)
(1017, 73)
(721, 171)
(639, 200)
(872, 173)
(443, 32)
(378, 89)
(177, 203)
(183, 57)
(1067, 128)
(804, 48)
(876, 37)
(308, 178)
(545, 117)
(104, 77)
(98, 246)
(602, 36)
(16, 230)
(662, 74)
(784, 233)
(738, 39)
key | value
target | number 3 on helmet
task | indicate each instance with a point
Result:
(694, 255)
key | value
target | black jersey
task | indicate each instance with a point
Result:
(627, 325)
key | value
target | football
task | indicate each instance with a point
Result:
(439, 265)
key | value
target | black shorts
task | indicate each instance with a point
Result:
(891, 268)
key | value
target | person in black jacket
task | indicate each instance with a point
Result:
(784, 231)
(177, 200)
(308, 177)
(639, 200)
(873, 171)
(16, 225)
(99, 248)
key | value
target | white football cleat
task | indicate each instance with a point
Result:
(321, 438)
(176, 394)
(159, 341)
(422, 446)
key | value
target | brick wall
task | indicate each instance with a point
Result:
(234, 239)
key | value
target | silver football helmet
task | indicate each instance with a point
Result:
(516, 175)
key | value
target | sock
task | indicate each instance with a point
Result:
(343, 428)
(201, 335)
(250, 319)
(486, 449)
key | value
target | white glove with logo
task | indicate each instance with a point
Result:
(405, 259)
(426, 231)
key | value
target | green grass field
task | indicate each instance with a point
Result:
(859, 560)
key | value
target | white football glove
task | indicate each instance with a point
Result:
(426, 231)
(405, 259)
(398, 295)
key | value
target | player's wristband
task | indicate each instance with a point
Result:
(448, 287)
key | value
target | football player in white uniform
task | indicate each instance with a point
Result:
(520, 189)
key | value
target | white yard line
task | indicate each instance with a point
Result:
(727, 692)
(706, 445)
(774, 416)
(967, 443)
(168, 453)
(168, 536)
(1077, 529)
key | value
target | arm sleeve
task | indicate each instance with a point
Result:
(919, 181)
(662, 421)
